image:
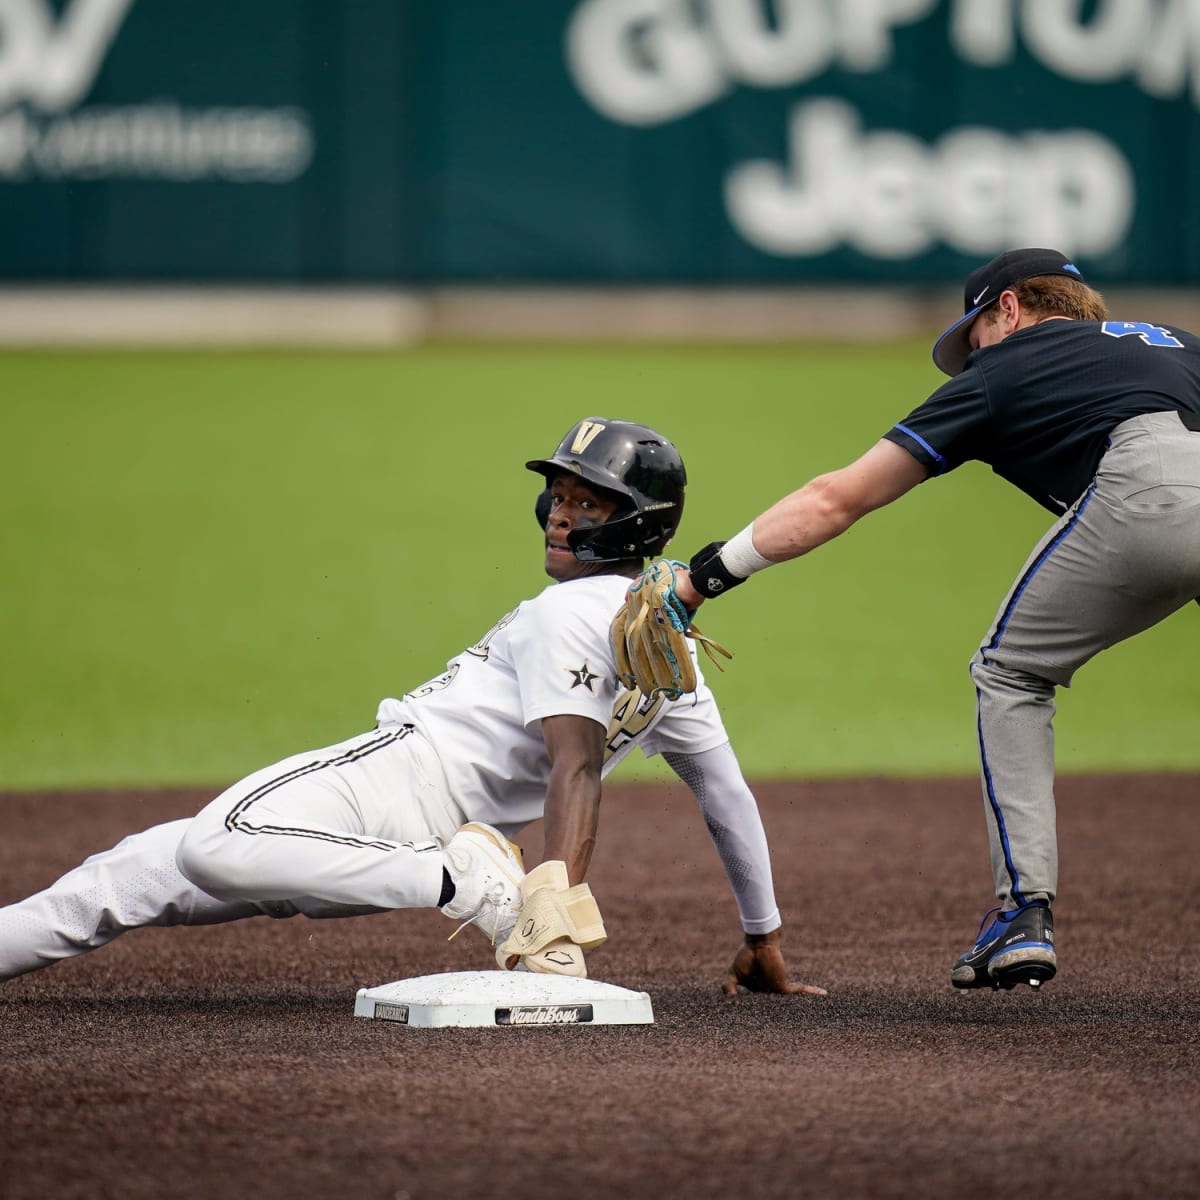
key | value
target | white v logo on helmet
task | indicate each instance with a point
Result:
(587, 433)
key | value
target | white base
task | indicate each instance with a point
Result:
(479, 998)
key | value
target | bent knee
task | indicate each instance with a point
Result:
(992, 670)
(208, 859)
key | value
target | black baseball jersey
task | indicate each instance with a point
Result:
(1038, 407)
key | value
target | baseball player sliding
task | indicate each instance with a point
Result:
(418, 812)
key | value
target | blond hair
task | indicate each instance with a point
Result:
(1058, 296)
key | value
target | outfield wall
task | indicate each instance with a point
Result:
(615, 142)
(387, 317)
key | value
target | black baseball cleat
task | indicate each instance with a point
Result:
(1017, 947)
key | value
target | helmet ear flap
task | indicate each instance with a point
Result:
(542, 506)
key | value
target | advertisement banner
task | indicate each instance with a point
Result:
(596, 141)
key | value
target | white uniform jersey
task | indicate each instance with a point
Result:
(550, 656)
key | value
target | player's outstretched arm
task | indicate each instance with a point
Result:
(823, 509)
(758, 966)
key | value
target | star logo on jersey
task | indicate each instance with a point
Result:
(584, 677)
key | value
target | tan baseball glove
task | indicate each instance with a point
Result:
(651, 633)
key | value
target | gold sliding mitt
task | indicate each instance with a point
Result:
(556, 925)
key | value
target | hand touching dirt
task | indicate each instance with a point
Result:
(758, 966)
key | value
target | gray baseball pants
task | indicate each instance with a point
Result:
(1123, 558)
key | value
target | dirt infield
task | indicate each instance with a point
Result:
(226, 1062)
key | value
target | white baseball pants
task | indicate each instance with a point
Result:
(343, 831)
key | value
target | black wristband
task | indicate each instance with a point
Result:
(709, 575)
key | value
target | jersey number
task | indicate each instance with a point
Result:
(482, 647)
(1152, 335)
(631, 713)
(479, 650)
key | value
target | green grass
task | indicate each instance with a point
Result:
(212, 560)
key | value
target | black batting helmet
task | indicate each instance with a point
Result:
(632, 460)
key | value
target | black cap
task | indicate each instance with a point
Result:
(983, 289)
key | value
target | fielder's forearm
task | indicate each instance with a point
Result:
(821, 510)
(815, 514)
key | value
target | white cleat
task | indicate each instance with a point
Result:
(486, 870)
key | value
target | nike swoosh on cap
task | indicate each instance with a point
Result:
(981, 295)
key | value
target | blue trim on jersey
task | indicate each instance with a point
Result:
(1018, 592)
(916, 437)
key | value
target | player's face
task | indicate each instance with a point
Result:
(986, 331)
(574, 504)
